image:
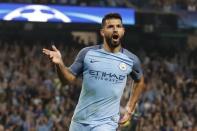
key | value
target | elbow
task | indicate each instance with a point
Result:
(68, 81)
(141, 83)
(71, 81)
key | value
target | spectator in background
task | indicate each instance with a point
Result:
(152, 5)
(191, 5)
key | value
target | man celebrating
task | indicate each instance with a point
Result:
(105, 69)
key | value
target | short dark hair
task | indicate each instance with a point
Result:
(111, 16)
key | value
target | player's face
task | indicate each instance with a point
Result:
(113, 32)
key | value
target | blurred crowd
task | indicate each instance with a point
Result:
(31, 95)
(33, 99)
(163, 5)
(169, 103)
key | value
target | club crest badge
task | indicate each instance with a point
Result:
(123, 66)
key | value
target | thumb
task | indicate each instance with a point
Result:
(54, 48)
(124, 119)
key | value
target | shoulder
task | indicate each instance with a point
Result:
(82, 53)
(86, 49)
(130, 55)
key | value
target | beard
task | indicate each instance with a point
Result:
(113, 43)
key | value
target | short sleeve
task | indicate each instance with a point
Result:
(77, 67)
(137, 72)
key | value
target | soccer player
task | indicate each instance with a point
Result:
(105, 68)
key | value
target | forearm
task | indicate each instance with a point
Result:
(134, 97)
(64, 74)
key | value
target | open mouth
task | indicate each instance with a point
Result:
(115, 36)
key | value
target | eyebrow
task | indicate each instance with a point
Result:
(114, 25)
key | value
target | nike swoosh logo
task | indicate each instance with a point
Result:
(93, 61)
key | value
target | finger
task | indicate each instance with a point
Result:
(46, 51)
(54, 48)
(50, 56)
(123, 122)
(124, 119)
(127, 123)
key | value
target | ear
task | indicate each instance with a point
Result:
(102, 32)
(123, 30)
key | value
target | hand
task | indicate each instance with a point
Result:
(54, 55)
(125, 119)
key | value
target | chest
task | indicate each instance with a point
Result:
(107, 64)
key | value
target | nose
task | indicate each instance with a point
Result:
(115, 29)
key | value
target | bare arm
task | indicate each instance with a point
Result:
(63, 72)
(134, 97)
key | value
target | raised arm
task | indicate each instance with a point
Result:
(63, 72)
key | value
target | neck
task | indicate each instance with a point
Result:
(111, 49)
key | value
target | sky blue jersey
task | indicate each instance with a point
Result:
(104, 78)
